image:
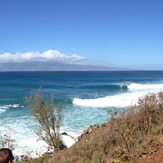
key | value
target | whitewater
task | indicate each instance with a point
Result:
(86, 98)
(135, 92)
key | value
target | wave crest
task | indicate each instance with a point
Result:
(122, 100)
(3, 108)
(134, 86)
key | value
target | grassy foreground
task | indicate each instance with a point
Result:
(126, 137)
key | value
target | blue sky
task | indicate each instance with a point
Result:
(117, 33)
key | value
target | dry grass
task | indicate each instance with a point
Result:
(126, 137)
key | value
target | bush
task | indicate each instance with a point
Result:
(126, 137)
(132, 131)
(49, 120)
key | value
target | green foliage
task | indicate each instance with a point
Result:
(48, 118)
(43, 159)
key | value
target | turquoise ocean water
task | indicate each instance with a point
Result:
(86, 97)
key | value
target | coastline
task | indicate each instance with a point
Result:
(113, 88)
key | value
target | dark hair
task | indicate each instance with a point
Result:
(6, 155)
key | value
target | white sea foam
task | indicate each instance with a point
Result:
(25, 138)
(136, 91)
(122, 100)
(3, 108)
(2, 111)
(22, 130)
(69, 139)
(29, 144)
(134, 86)
(16, 106)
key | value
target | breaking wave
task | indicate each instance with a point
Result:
(135, 91)
(106, 87)
(122, 100)
(134, 86)
(3, 108)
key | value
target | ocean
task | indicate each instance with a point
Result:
(86, 99)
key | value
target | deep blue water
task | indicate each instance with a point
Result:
(86, 97)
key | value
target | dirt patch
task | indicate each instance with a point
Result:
(154, 158)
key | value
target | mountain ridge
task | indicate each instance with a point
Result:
(52, 66)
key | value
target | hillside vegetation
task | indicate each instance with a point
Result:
(128, 136)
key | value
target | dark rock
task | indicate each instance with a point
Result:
(64, 133)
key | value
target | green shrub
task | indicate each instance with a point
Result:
(49, 120)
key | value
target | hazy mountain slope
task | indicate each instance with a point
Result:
(51, 66)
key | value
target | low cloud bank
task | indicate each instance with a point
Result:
(50, 55)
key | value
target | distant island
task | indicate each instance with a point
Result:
(53, 66)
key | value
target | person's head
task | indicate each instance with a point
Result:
(6, 155)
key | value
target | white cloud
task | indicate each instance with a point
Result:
(50, 55)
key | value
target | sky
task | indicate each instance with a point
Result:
(114, 33)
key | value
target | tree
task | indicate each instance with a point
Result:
(48, 118)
